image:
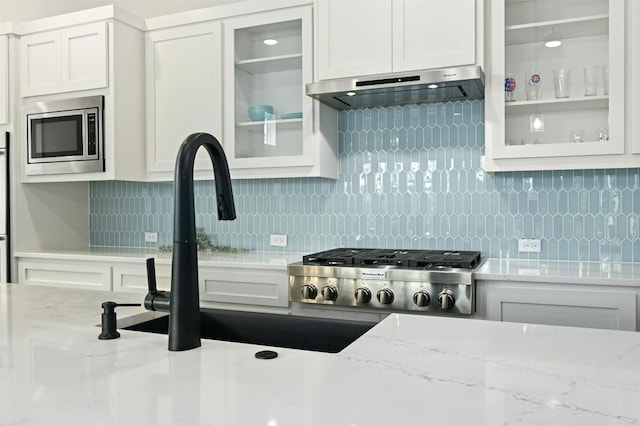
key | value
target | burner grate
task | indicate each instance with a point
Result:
(399, 258)
(409, 259)
(337, 257)
(448, 259)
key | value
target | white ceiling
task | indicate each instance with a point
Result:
(24, 10)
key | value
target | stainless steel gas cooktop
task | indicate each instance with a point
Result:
(393, 280)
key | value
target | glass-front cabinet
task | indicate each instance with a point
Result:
(555, 95)
(268, 118)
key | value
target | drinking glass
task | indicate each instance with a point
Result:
(590, 81)
(510, 87)
(534, 81)
(561, 82)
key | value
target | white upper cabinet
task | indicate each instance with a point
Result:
(433, 34)
(66, 60)
(633, 101)
(184, 93)
(94, 52)
(366, 37)
(267, 60)
(4, 79)
(354, 37)
(535, 121)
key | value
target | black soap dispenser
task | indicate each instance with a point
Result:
(109, 320)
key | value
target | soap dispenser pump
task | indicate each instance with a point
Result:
(109, 320)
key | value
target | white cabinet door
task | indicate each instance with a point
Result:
(284, 143)
(184, 91)
(84, 57)
(552, 132)
(4, 79)
(633, 62)
(577, 308)
(64, 60)
(433, 33)
(133, 278)
(354, 37)
(259, 287)
(65, 273)
(40, 63)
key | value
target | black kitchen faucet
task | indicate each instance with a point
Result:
(183, 302)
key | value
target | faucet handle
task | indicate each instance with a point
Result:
(155, 300)
(151, 275)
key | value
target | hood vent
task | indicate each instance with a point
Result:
(443, 85)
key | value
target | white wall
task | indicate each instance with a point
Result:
(25, 10)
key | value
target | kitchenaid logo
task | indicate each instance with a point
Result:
(373, 275)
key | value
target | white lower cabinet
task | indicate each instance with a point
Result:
(133, 278)
(245, 286)
(64, 273)
(613, 308)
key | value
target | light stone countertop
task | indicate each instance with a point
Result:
(407, 370)
(565, 271)
(250, 259)
(561, 271)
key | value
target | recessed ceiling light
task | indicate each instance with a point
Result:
(432, 86)
(553, 43)
(351, 93)
(270, 42)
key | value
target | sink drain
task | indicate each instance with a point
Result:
(266, 354)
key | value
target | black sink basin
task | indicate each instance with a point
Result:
(311, 334)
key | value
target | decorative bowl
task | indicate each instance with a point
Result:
(290, 115)
(257, 112)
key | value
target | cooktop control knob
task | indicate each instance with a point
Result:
(309, 291)
(362, 295)
(385, 296)
(446, 299)
(421, 298)
(329, 292)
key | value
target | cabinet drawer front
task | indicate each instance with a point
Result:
(259, 287)
(65, 275)
(133, 279)
(594, 309)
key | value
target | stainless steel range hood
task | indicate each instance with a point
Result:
(442, 85)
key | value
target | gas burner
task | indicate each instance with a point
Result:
(446, 259)
(341, 256)
(400, 258)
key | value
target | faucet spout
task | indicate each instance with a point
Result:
(184, 306)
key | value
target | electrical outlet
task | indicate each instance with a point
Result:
(278, 240)
(150, 237)
(529, 245)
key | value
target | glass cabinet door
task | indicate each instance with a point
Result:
(267, 62)
(563, 76)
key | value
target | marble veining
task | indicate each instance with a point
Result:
(409, 370)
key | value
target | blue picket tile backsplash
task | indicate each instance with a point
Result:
(409, 177)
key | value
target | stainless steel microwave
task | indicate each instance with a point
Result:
(65, 136)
